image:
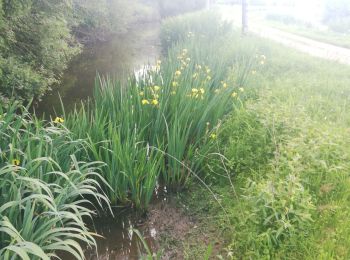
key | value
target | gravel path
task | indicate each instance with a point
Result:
(312, 47)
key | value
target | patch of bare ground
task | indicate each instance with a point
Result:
(178, 234)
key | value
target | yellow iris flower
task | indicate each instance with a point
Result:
(16, 162)
(145, 102)
(58, 120)
(155, 102)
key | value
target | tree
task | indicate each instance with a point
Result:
(36, 45)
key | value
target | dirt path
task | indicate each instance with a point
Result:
(311, 47)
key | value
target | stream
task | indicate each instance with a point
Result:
(116, 58)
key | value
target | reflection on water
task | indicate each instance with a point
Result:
(116, 241)
(122, 54)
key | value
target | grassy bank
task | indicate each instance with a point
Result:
(286, 190)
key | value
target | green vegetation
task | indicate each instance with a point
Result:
(160, 126)
(38, 38)
(286, 190)
(190, 27)
(266, 131)
(44, 188)
(35, 44)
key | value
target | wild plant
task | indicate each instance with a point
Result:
(46, 193)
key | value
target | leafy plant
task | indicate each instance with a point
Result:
(46, 193)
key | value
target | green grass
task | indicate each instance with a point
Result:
(288, 162)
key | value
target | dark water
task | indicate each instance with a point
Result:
(116, 242)
(117, 57)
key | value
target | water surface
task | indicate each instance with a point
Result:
(117, 57)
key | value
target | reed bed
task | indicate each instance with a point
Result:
(160, 125)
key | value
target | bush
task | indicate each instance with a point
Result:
(280, 208)
(246, 141)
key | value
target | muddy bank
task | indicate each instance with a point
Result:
(165, 227)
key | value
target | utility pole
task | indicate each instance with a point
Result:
(244, 17)
(208, 4)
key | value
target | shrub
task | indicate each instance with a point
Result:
(281, 207)
(246, 141)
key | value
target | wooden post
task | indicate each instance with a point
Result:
(244, 17)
